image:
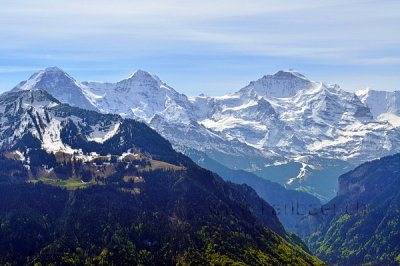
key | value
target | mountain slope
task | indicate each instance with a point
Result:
(139, 201)
(67, 227)
(289, 205)
(361, 224)
(384, 105)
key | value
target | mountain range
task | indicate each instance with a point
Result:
(85, 185)
(37, 117)
(281, 123)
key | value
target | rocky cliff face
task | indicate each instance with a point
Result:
(361, 224)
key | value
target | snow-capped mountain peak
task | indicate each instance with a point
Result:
(140, 81)
(59, 84)
(143, 75)
(54, 69)
(289, 74)
(51, 75)
(142, 95)
(283, 84)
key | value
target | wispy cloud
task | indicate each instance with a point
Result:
(280, 28)
(329, 32)
(10, 69)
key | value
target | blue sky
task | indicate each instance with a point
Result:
(210, 47)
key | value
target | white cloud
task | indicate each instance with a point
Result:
(351, 32)
(11, 69)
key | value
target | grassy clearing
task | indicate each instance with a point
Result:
(68, 184)
(162, 165)
(135, 179)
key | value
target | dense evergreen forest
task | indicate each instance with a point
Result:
(104, 224)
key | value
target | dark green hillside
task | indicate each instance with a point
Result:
(279, 197)
(174, 219)
(362, 224)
